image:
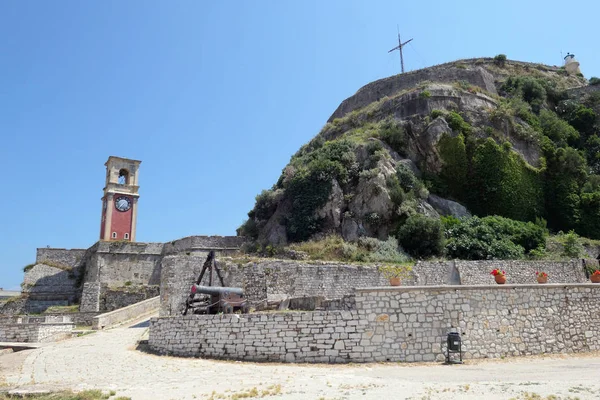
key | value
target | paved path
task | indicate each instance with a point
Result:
(109, 360)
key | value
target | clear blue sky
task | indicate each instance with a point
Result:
(214, 97)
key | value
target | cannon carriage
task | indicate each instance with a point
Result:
(214, 299)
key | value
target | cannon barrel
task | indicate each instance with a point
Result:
(212, 290)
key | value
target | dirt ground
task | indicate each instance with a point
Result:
(110, 360)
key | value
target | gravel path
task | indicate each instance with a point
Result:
(108, 360)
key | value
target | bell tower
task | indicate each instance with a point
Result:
(119, 203)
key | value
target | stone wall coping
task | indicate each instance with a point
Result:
(211, 248)
(120, 310)
(58, 248)
(39, 324)
(241, 317)
(476, 287)
(116, 317)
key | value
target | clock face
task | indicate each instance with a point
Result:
(122, 203)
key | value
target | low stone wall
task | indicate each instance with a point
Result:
(399, 324)
(193, 244)
(125, 314)
(33, 329)
(78, 318)
(520, 271)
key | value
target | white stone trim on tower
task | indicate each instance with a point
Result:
(109, 212)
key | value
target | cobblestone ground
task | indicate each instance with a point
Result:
(109, 360)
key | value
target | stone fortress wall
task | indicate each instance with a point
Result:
(406, 324)
(272, 280)
(139, 265)
(106, 276)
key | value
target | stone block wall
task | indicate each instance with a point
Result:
(90, 297)
(411, 324)
(116, 298)
(115, 263)
(265, 279)
(35, 329)
(192, 244)
(270, 279)
(70, 258)
(399, 324)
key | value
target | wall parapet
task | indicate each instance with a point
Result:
(124, 314)
(475, 287)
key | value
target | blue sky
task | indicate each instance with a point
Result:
(213, 97)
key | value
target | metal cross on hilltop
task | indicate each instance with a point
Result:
(399, 47)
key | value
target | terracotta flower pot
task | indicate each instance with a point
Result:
(395, 281)
(595, 278)
(500, 279)
(542, 279)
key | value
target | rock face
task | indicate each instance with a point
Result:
(446, 73)
(448, 207)
(392, 130)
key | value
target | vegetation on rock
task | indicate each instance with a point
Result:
(529, 153)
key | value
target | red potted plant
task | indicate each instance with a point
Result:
(499, 276)
(595, 276)
(542, 277)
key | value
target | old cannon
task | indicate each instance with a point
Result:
(214, 299)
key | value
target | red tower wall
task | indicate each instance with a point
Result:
(121, 221)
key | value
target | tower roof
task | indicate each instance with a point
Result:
(115, 158)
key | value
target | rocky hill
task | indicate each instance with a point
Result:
(482, 136)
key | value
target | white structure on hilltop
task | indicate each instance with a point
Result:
(571, 64)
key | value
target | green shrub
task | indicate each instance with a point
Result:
(453, 175)
(425, 94)
(528, 88)
(594, 81)
(376, 153)
(395, 191)
(383, 251)
(502, 183)
(266, 204)
(558, 130)
(457, 123)
(436, 113)
(565, 174)
(248, 229)
(589, 224)
(477, 239)
(392, 132)
(572, 246)
(309, 188)
(422, 236)
(500, 60)
(28, 267)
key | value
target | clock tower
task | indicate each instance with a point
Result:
(119, 203)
